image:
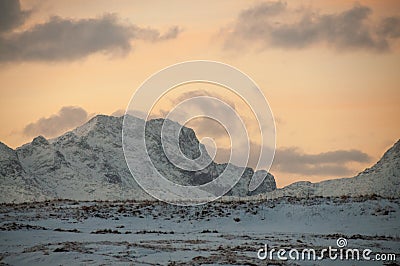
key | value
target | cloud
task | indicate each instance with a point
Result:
(254, 159)
(172, 33)
(202, 125)
(61, 39)
(205, 126)
(390, 27)
(67, 118)
(11, 15)
(263, 9)
(273, 24)
(293, 160)
(196, 93)
(208, 126)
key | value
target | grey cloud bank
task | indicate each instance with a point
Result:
(274, 24)
(67, 118)
(64, 39)
(11, 15)
(293, 160)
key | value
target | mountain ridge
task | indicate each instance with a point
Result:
(88, 163)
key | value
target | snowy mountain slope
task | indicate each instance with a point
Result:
(382, 179)
(16, 185)
(88, 163)
(84, 164)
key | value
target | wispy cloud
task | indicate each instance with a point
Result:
(275, 24)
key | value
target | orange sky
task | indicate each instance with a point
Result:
(324, 99)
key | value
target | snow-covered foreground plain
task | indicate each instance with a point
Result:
(219, 233)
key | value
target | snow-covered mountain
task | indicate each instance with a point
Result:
(15, 183)
(382, 179)
(88, 163)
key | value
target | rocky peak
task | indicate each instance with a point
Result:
(392, 153)
(40, 141)
(5, 151)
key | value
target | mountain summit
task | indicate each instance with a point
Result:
(88, 163)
